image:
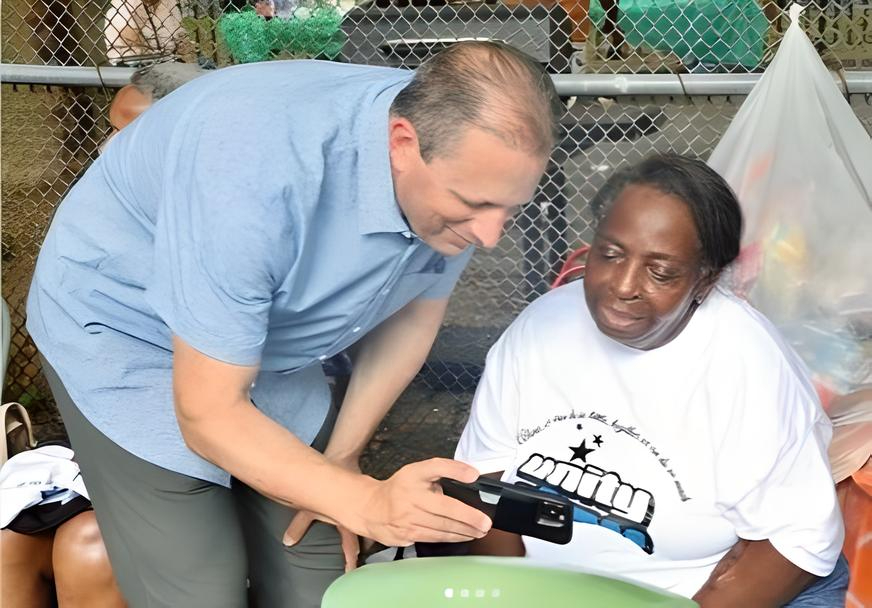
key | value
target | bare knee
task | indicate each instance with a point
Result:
(83, 574)
(79, 539)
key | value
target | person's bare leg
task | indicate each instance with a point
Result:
(26, 569)
(83, 575)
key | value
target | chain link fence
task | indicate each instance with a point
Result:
(51, 133)
(588, 36)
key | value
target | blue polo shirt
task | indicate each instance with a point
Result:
(252, 213)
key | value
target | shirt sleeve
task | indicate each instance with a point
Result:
(224, 234)
(454, 267)
(782, 490)
(489, 441)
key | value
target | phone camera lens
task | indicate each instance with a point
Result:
(552, 511)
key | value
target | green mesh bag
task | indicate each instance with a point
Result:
(312, 32)
(725, 33)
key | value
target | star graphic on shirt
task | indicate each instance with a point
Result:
(581, 451)
(598, 440)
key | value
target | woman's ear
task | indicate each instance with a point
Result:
(705, 285)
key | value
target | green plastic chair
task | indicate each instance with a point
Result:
(499, 582)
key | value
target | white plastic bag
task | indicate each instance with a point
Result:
(801, 164)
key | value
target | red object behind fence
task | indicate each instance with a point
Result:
(570, 266)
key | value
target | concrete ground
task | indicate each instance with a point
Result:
(424, 423)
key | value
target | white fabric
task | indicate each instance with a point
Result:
(714, 436)
(41, 476)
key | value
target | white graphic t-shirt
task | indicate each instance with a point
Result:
(669, 455)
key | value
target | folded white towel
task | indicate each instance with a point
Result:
(42, 475)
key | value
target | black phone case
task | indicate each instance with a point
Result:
(516, 509)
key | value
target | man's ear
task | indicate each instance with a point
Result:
(403, 144)
(129, 101)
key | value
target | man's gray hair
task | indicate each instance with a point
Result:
(485, 85)
(161, 79)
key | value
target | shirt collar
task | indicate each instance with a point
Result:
(378, 210)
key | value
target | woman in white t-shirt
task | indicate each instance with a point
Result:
(671, 413)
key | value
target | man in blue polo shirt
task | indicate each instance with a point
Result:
(248, 226)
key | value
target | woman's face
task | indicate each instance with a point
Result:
(644, 269)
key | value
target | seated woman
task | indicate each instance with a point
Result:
(66, 567)
(685, 431)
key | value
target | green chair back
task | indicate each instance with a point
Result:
(444, 582)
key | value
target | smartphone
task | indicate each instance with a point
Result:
(516, 509)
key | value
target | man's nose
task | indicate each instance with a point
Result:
(488, 228)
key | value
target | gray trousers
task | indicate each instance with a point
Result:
(175, 541)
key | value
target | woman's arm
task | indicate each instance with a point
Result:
(495, 542)
(498, 542)
(752, 574)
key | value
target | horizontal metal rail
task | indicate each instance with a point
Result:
(616, 85)
(594, 85)
(65, 76)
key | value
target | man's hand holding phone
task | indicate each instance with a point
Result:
(405, 508)
(516, 509)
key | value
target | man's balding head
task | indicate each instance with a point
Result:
(486, 85)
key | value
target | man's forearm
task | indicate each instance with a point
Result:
(388, 360)
(753, 574)
(219, 423)
(253, 448)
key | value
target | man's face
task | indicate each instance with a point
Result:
(465, 196)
